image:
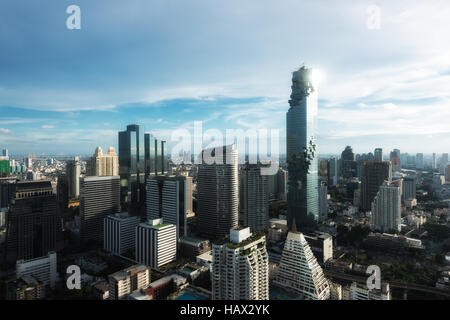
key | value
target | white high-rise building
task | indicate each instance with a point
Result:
(240, 268)
(120, 233)
(156, 243)
(386, 208)
(124, 282)
(253, 198)
(299, 271)
(103, 164)
(42, 268)
(170, 198)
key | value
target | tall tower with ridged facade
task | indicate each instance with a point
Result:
(301, 118)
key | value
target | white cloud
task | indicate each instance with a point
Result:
(46, 126)
(4, 130)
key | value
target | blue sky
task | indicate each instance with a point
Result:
(165, 64)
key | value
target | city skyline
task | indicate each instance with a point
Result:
(387, 87)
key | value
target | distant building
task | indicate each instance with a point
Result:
(299, 270)
(156, 243)
(409, 188)
(100, 197)
(386, 208)
(392, 242)
(253, 200)
(323, 202)
(419, 161)
(374, 173)
(120, 233)
(124, 282)
(73, 172)
(190, 247)
(240, 268)
(378, 154)
(42, 268)
(103, 164)
(277, 185)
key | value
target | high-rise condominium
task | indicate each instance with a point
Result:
(99, 197)
(374, 173)
(378, 154)
(217, 191)
(299, 271)
(240, 268)
(301, 118)
(73, 171)
(103, 164)
(253, 197)
(170, 198)
(33, 225)
(156, 243)
(386, 208)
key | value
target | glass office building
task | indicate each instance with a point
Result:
(303, 195)
(132, 167)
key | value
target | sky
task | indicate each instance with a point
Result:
(165, 64)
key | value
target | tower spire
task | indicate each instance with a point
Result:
(294, 226)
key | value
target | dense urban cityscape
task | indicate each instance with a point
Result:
(223, 159)
(134, 225)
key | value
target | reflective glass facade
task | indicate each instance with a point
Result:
(303, 196)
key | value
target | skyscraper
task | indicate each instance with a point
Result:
(333, 171)
(217, 192)
(419, 161)
(433, 161)
(103, 164)
(323, 202)
(395, 160)
(99, 197)
(253, 197)
(132, 169)
(348, 163)
(378, 154)
(33, 225)
(303, 195)
(240, 268)
(386, 208)
(409, 188)
(374, 173)
(299, 271)
(73, 172)
(170, 198)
